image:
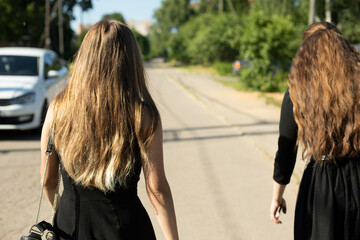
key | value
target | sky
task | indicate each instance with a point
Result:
(131, 10)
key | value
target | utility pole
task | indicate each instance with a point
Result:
(312, 11)
(231, 6)
(221, 6)
(327, 11)
(61, 29)
(49, 16)
(47, 24)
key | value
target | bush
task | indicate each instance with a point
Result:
(265, 44)
(257, 78)
(223, 68)
(207, 38)
(143, 42)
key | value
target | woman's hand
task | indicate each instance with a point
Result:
(277, 206)
(278, 203)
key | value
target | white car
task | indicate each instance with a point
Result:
(29, 79)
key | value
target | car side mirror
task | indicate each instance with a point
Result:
(52, 74)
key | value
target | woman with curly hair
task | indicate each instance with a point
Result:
(321, 114)
(105, 128)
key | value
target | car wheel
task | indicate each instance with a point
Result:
(43, 113)
(42, 119)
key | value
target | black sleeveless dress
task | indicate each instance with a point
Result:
(328, 203)
(88, 213)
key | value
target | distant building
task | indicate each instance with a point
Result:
(143, 27)
(195, 5)
(82, 27)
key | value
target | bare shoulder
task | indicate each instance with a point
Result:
(54, 105)
(50, 113)
(48, 119)
(150, 118)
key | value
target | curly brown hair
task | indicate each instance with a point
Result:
(324, 85)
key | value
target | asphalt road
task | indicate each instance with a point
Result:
(218, 149)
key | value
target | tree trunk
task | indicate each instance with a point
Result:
(61, 28)
(312, 11)
(231, 6)
(327, 11)
(47, 24)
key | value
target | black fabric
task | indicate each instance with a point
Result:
(328, 204)
(88, 213)
(286, 154)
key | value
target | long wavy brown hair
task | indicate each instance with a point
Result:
(99, 129)
(324, 85)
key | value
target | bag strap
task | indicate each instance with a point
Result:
(48, 152)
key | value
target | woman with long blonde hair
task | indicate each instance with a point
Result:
(321, 113)
(105, 127)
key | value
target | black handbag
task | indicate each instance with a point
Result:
(38, 230)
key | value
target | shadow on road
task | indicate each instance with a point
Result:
(16, 135)
(174, 135)
(7, 151)
(178, 139)
(223, 126)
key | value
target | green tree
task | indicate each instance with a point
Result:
(279, 7)
(265, 43)
(171, 15)
(240, 6)
(68, 6)
(80, 37)
(345, 14)
(22, 22)
(115, 16)
(200, 42)
(144, 43)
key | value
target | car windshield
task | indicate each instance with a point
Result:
(19, 65)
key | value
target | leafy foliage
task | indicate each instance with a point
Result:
(80, 37)
(267, 41)
(265, 45)
(172, 14)
(240, 6)
(22, 22)
(223, 68)
(115, 16)
(144, 44)
(346, 13)
(206, 39)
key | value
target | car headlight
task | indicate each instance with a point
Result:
(24, 99)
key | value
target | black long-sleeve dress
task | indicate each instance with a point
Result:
(328, 204)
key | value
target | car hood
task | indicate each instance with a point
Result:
(15, 86)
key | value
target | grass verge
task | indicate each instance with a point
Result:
(270, 98)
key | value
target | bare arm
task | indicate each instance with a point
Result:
(158, 189)
(277, 201)
(51, 177)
